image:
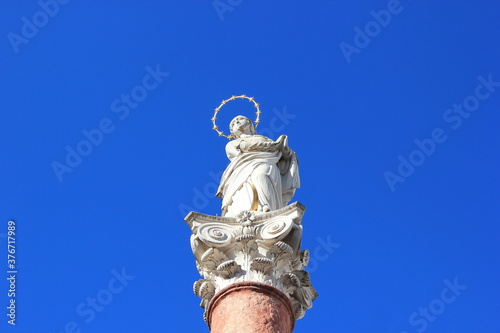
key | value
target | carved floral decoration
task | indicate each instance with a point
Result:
(263, 247)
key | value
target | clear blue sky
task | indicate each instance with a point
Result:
(392, 107)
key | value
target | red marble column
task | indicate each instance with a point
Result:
(250, 307)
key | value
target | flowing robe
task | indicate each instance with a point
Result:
(263, 175)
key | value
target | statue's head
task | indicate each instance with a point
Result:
(241, 125)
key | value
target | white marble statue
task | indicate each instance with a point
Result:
(263, 174)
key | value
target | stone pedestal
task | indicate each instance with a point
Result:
(251, 259)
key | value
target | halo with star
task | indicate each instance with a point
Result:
(214, 118)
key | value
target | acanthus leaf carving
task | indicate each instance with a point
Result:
(212, 258)
(228, 268)
(261, 247)
(262, 264)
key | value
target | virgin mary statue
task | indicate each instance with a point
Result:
(263, 174)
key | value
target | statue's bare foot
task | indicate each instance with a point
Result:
(265, 209)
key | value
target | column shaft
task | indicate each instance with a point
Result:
(250, 307)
